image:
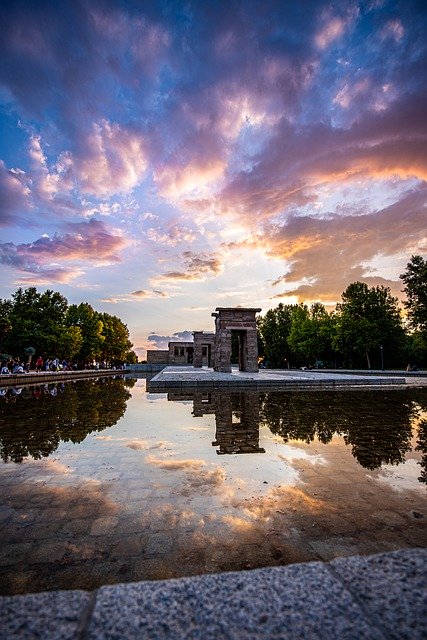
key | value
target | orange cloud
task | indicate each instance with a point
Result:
(198, 266)
(324, 255)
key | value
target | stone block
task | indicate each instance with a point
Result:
(45, 616)
(297, 601)
(392, 589)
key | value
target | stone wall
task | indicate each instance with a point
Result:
(181, 353)
(155, 356)
(204, 347)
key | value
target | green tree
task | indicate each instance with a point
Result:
(5, 321)
(131, 357)
(70, 342)
(90, 324)
(368, 319)
(37, 320)
(116, 344)
(274, 329)
(312, 332)
(415, 279)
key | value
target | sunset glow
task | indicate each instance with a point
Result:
(159, 159)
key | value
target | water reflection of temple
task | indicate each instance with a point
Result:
(236, 418)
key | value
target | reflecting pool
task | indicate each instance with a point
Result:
(102, 482)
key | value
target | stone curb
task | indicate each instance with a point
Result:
(23, 379)
(170, 383)
(355, 598)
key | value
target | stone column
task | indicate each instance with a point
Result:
(198, 337)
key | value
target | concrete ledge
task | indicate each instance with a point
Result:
(376, 597)
(22, 379)
(189, 377)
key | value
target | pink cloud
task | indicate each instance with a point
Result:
(295, 163)
(324, 255)
(332, 30)
(112, 160)
(84, 242)
(393, 29)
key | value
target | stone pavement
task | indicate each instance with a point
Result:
(182, 377)
(375, 597)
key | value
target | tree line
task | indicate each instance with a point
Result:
(44, 324)
(366, 329)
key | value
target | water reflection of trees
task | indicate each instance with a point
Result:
(376, 424)
(34, 420)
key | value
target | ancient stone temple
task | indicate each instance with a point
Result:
(204, 345)
(240, 322)
(233, 325)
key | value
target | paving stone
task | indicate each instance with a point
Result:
(377, 597)
(103, 526)
(391, 588)
(48, 616)
(9, 553)
(299, 601)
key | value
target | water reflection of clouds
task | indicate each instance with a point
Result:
(290, 453)
(174, 465)
(137, 444)
(52, 466)
(144, 445)
(403, 478)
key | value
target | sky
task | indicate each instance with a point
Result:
(159, 159)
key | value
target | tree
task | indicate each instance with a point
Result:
(90, 324)
(37, 320)
(131, 357)
(116, 344)
(415, 279)
(5, 322)
(368, 319)
(274, 329)
(70, 342)
(312, 332)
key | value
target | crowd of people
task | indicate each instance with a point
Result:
(15, 365)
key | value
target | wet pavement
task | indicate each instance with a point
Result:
(103, 482)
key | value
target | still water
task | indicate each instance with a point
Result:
(102, 482)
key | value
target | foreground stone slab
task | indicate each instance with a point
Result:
(376, 597)
(299, 601)
(391, 588)
(59, 615)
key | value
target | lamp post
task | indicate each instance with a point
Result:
(382, 357)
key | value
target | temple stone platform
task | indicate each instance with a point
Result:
(185, 377)
(354, 598)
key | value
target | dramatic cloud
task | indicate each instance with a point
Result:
(87, 241)
(198, 266)
(112, 160)
(332, 252)
(221, 141)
